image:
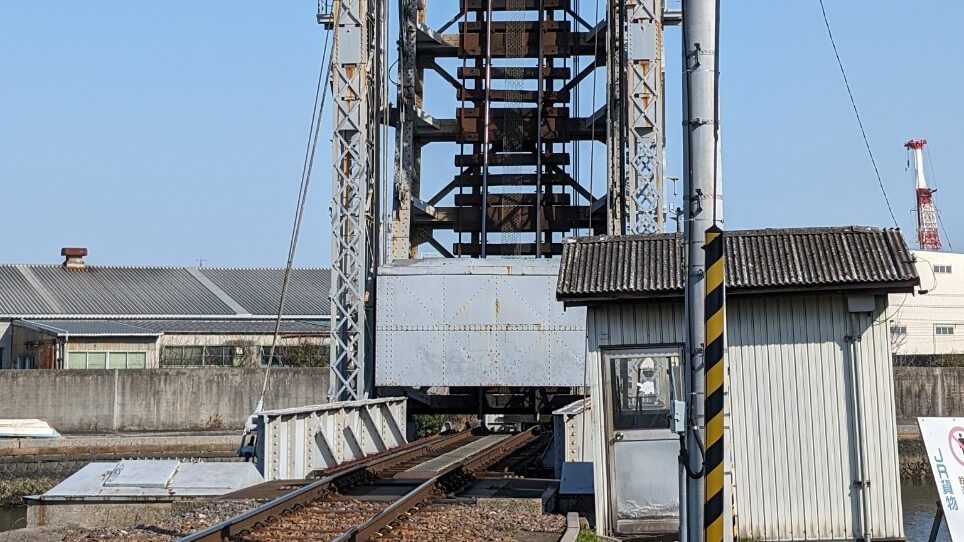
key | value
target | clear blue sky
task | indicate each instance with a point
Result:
(163, 132)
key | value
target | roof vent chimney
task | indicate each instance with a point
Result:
(74, 257)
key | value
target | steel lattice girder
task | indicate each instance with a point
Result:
(356, 58)
(635, 164)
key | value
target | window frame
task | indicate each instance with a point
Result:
(107, 356)
(610, 354)
(209, 355)
(940, 329)
(944, 269)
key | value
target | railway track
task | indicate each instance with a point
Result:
(370, 498)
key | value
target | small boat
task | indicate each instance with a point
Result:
(26, 428)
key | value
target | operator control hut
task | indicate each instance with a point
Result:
(83, 316)
(809, 407)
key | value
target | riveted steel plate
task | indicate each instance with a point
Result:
(491, 322)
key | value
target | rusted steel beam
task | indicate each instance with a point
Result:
(519, 218)
(512, 199)
(472, 72)
(513, 249)
(527, 5)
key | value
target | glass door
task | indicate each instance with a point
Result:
(640, 385)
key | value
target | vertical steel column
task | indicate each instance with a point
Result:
(634, 68)
(487, 134)
(615, 119)
(356, 91)
(406, 170)
(644, 41)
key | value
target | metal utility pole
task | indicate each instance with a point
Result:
(703, 210)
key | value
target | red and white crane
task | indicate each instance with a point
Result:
(927, 234)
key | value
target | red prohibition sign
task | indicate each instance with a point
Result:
(955, 441)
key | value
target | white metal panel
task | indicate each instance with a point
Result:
(794, 420)
(792, 415)
(492, 322)
(293, 442)
(572, 434)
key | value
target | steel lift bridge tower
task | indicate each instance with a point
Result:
(516, 185)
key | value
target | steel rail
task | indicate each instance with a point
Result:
(233, 527)
(454, 476)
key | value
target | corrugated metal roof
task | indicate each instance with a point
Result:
(259, 289)
(96, 328)
(157, 291)
(128, 290)
(17, 295)
(239, 327)
(640, 266)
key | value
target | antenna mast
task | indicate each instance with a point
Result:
(928, 237)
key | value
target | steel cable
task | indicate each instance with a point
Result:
(860, 122)
(321, 95)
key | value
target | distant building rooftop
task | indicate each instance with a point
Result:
(76, 290)
(607, 268)
(156, 328)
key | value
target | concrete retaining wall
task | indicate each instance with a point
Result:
(94, 401)
(928, 391)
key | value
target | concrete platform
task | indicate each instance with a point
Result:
(60, 457)
(134, 488)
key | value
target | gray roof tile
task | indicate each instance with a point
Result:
(635, 266)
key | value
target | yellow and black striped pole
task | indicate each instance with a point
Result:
(714, 367)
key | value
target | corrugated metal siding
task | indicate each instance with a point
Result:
(795, 449)
(790, 425)
(259, 289)
(881, 438)
(648, 265)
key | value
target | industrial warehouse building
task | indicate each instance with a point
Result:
(809, 407)
(80, 316)
(927, 327)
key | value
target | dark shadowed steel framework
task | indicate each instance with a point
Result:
(515, 67)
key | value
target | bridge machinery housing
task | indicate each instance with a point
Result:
(443, 269)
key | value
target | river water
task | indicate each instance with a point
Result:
(919, 501)
(13, 518)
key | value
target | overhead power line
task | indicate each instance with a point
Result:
(321, 96)
(860, 122)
